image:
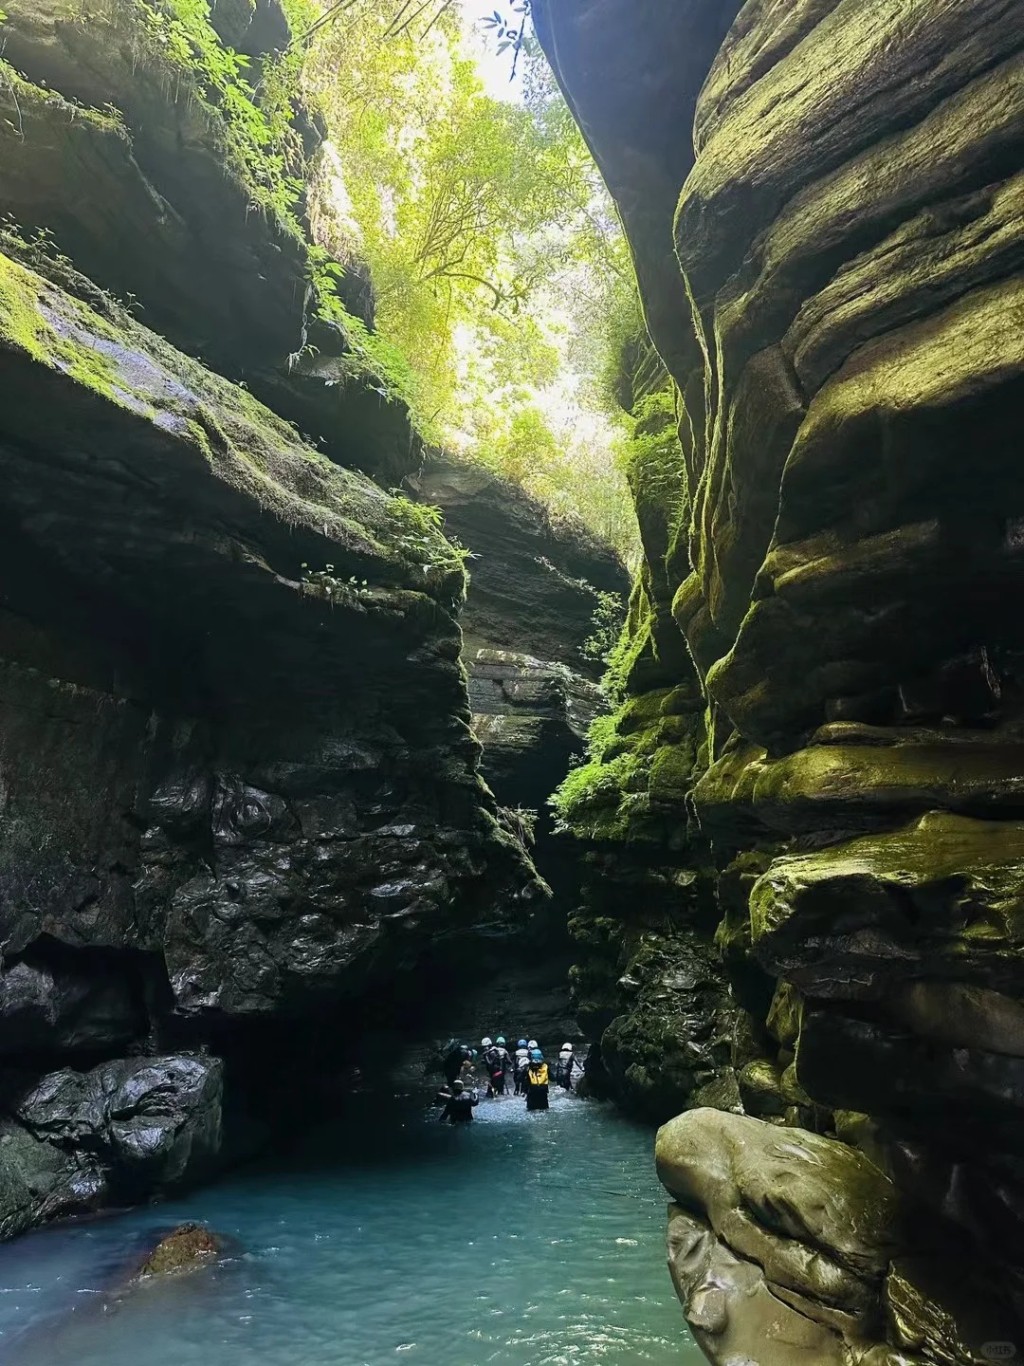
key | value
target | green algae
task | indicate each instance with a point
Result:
(21, 323)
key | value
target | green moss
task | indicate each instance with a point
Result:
(21, 323)
(638, 772)
(24, 326)
(246, 446)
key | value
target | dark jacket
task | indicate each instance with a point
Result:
(458, 1108)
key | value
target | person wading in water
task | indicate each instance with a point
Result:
(498, 1065)
(458, 1107)
(519, 1065)
(535, 1082)
(566, 1066)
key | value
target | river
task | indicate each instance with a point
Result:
(522, 1240)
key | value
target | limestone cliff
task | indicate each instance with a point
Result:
(813, 784)
(239, 792)
(530, 615)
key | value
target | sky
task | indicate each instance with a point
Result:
(495, 68)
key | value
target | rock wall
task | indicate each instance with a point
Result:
(531, 612)
(239, 792)
(813, 782)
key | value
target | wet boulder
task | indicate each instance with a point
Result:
(780, 1241)
(123, 1131)
(150, 1120)
(187, 1248)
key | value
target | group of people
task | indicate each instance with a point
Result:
(525, 1069)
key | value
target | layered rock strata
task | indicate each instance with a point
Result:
(822, 715)
(239, 792)
(532, 613)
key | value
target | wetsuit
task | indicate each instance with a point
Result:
(458, 1108)
(565, 1068)
(522, 1061)
(453, 1061)
(536, 1085)
(498, 1063)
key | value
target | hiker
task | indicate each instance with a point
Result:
(535, 1082)
(520, 1062)
(498, 1064)
(455, 1054)
(467, 1072)
(566, 1066)
(458, 1108)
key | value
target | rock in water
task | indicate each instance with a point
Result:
(187, 1248)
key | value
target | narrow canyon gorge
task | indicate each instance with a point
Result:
(304, 735)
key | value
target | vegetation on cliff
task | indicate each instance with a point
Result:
(499, 269)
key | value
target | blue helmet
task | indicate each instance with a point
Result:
(521, 1043)
(536, 1056)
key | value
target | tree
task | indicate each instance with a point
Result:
(492, 244)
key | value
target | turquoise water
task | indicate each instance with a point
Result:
(522, 1240)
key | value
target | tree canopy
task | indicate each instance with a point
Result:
(498, 264)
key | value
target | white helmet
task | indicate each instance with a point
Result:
(485, 1043)
(533, 1044)
(567, 1048)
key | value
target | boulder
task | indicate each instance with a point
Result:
(123, 1131)
(781, 1240)
(186, 1249)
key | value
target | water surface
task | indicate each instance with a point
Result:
(522, 1240)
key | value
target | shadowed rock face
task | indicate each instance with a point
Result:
(534, 587)
(828, 197)
(239, 793)
(534, 584)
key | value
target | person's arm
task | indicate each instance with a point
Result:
(446, 1112)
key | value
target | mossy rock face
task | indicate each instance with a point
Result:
(131, 137)
(673, 1035)
(844, 564)
(210, 273)
(942, 898)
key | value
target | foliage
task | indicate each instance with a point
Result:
(510, 33)
(496, 258)
(492, 247)
(257, 115)
(596, 781)
(326, 584)
(607, 622)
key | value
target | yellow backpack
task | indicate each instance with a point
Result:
(538, 1074)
